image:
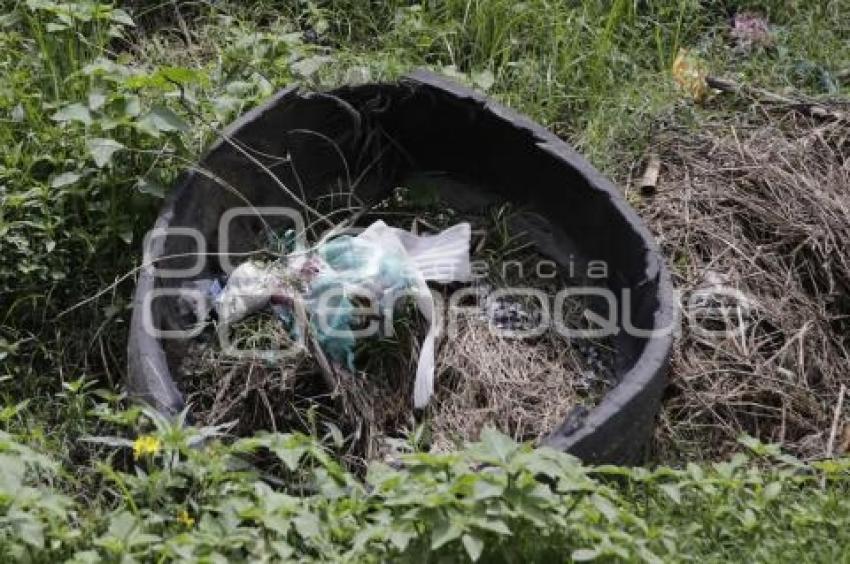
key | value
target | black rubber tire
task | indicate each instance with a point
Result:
(428, 122)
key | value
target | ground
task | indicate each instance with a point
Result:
(102, 107)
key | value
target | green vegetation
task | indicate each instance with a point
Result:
(100, 109)
(494, 501)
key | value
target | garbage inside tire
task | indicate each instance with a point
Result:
(371, 136)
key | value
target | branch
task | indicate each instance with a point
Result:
(812, 109)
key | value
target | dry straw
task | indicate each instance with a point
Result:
(762, 207)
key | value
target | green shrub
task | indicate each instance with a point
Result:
(185, 494)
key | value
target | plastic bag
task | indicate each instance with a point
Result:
(444, 258)
(382, 262)
(248, 289)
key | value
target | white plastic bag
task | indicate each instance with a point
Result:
(444, 258)
(248, 289)
(379, 261)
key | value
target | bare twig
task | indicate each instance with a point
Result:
(649, 180)
(808, 108)
(839, 405)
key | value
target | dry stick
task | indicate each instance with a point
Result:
(209, 174)
(221, 182)
(236, 144)
(356, 213)
(329, 374)
(184, 29)
(835, 418)
(335, 228)
(834, 429)
(812, 109)
(141, 267)
(649, 180)
(268, 406)
(330, 142)
(212, 176)
(844, 445)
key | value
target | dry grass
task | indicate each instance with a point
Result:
(524, 388)
(251, 390)
(762, 208)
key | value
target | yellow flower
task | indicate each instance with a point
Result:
(185, 519)
(689, 72)
(145, 445)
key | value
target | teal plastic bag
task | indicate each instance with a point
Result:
(380, 264)
(352, 267)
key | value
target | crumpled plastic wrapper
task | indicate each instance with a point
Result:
(381, 263)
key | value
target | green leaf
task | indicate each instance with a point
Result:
(290, 455)
(445, 532)
(282, 550)
(749, 520)
(772, 490)
(484, 79)
(101, 150)
(120, 16)
(307, 525)
(167, 78)
(309, 66)
(12, 470)
(604, 506)
(239, 88)
(672, 491)
(132, 106)
(150, 186)
(695, 472)
(122, 525)
(161, 119)
(401, 539)
(493, 525)
(97, 99)
(585, 554)
(336, 434)
(184, 75)
(102, 66)
(483, 489)
(73, 112)
(474, 546)
(497, 444)
(64, 179)
(32, 532)
(86, 557)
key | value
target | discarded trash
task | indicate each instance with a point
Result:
(510, 315)
(649, 181)
(750, 30)
(249, 289)
(380, 264)
(690, 73)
